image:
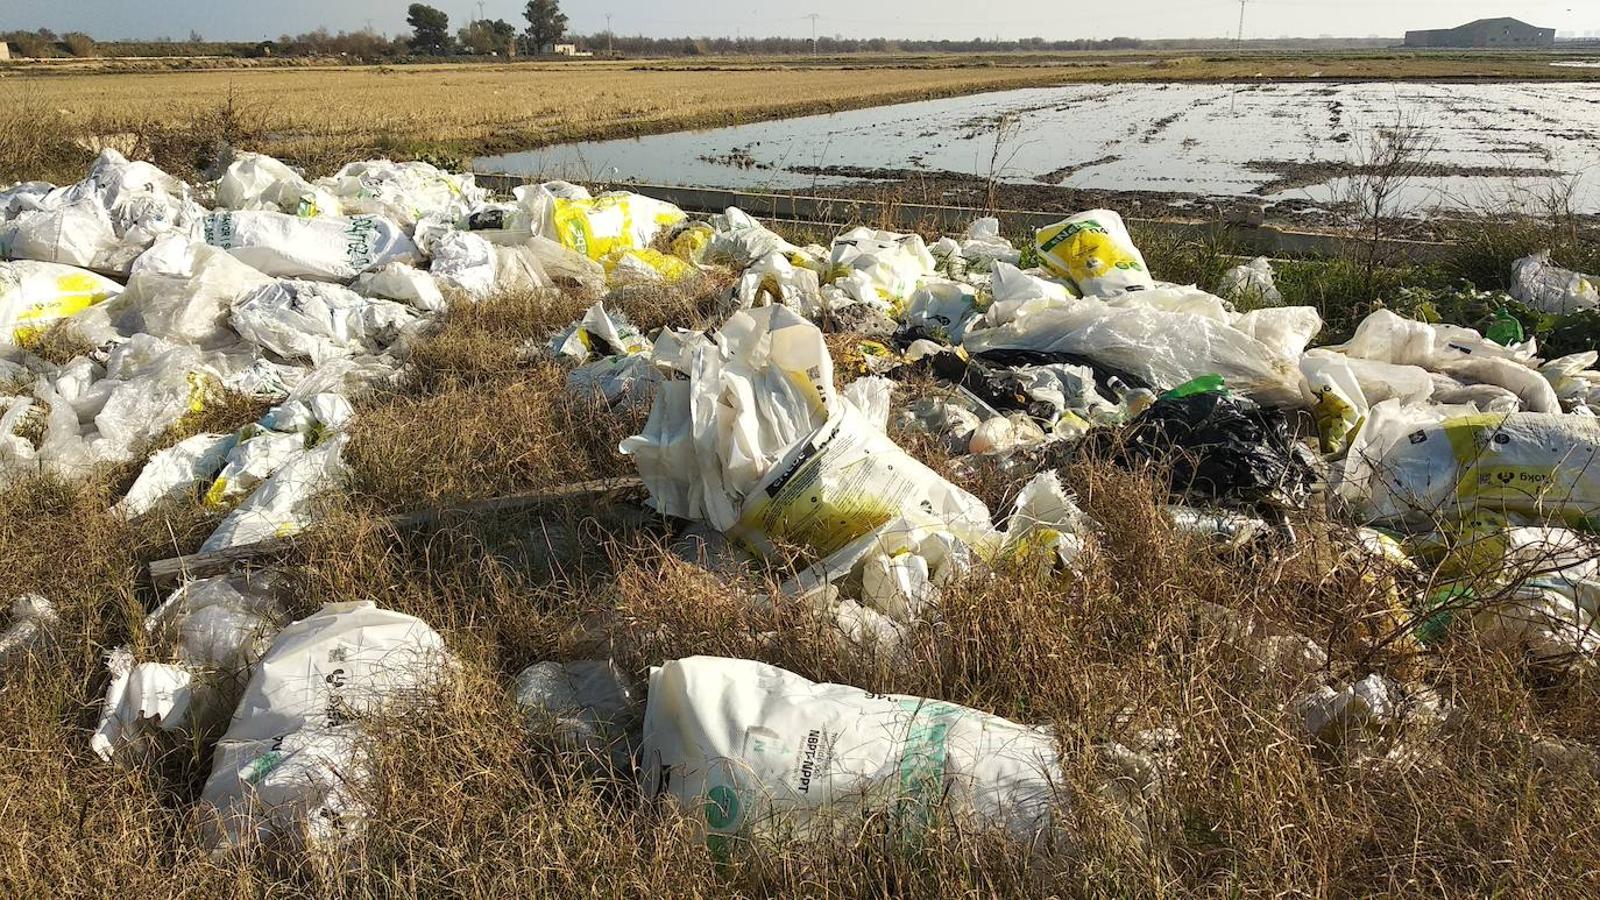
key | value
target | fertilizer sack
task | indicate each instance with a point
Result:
(749, 748)
(1424, 463)
(326, 248)
(1095, 250)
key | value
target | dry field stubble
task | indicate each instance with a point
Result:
(468, 802)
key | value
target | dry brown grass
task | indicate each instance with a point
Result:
(468, 802)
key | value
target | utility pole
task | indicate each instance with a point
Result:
(480, 10)
(608, 34)
(813, 17)
(1240, 41)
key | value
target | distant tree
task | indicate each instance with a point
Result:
(195, 37)
(484, 36)
(79, 44)
(546, 23)
(430, 28)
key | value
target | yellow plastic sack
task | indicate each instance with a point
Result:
(1095, 250)
(690, 244)
(648, 262)
(34, 295)
(600, 226)
(1413, 463)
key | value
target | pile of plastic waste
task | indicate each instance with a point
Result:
(1452, 449)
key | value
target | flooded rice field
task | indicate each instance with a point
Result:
(1482, 147)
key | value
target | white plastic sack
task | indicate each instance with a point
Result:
(317, 322)
(176, 472)
(758, 443)
(140, 700)
(1385, 336)
(748, 748)
(1252, 283)
(1165, 349)
(599, 332)
(254, 181)
(184, 291)
(222, 624)
(405, 284)
(326, 248)
(1548, 288)
(285, 503)
(1430, 462)
(293, 751)
(404, 192)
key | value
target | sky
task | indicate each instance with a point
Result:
(920, 19)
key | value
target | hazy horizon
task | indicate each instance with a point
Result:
(921, 20)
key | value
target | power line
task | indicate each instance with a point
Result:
(813, 17)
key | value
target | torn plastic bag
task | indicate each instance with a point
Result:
(1550, 289)
(1387, 337)
(750, 749)
(1533, 390)
(32, 618)
(468, 263)
(1095, 250)
(1003, 435)
(1341, 389)
(1044, 392)
(141, 700)
(943, 310)
(215, 629)
(254, 181)
(565, 267)
(223, 623)
(326, 248)
(105, 221)
(773, 279)
(626, 381)
(184, 291)
(402, 283)
(587, 705)
(36, 295)
(175, 473)
(601, 333)
(900, 568)
(316, 321)
(758, 443)
(152, 384)
(405, 192)
(1251, 283)
(1016, 292)
(1285, 329)
(292, 757)
(1220, 446)
(1426, 463)
(255, 455)
(284, 504)
(1160, 349)
(738, 240)
(77, 233)
(878, 268)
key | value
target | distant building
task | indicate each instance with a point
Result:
(5, 50)
(1497, 33)
(571, 50)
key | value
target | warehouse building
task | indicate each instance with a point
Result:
(1498, 33)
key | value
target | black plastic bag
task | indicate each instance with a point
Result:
(1219, 446)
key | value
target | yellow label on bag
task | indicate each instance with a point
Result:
(1084, 250)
